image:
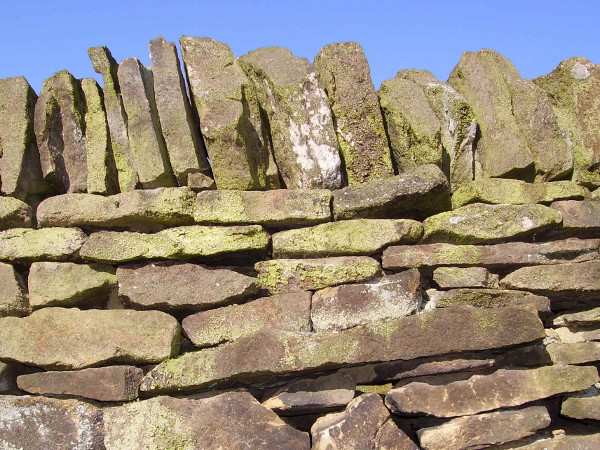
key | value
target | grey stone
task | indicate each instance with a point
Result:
(48, 244)
(464, 277)
(579, 216)
(14, 213)
(13, 296)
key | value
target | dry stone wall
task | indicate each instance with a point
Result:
(283, 257)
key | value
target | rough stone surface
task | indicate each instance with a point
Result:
(341, 307)
(288, 312)
(173, 286)
(588, 317)
(227, 106)
(485, 429)
(479, 223)
(464, 277)
(504, 388)
(81, 339)
(106, 384)
(288, 275)
(14, 213)
(13, 295)
(40, 423)
(581, 407)
(487, 298)
(565, 441)
(344, 73)
(48, 244)
(302, 133)
(277, 208)
(574, 353)
(68, 284)
(230, 420)
(579, 217)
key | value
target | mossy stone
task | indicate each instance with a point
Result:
(48, 244)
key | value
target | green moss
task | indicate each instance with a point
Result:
(381, 389)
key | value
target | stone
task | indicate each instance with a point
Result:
(348, 237)
(464, 277)
(582, 318)
(199, 182)
(279, 208)
(570, 279)
(82, 339)
(229, 420)
(563, 441)
(502, 389)
(68, 284)
(485, 429)
(146, 143)
(105, 384)
(104, 64)
(271, 354)
(343, 71)
(364, 424)
(183, 243)
(14, 213)
(48, 244)
(479, 223)
(394, 197)
(227, 106)
(311, 395)
(290, 275)
(19, 157)
(302, 133)
(516, 192)
(175, 286)
(13, 296)
(40, 423)
(160, 206)
(569, 336)
(520, 134)
(60, 132)
(488, 298)
(581, 407)
(579, 216)
(341, 307)
(496, 255)
(574, 353)
(288, 312)
(185, 146)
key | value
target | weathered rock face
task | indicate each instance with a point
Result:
(13, 296)
(579, 217)
(588, 317)
(86, 338)
(582, 407)
(561, 441)
(48, 244)
(574, 353)
(14, 213)
(301, 127)
(344, 73)
(457, 277)
(227, 107)
(487, 298)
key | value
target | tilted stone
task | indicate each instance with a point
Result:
(485, 429)
(588, 317)
(569, 336)
(574, 353)
(147, 146)
(48, 244)
(106, 384)
(581, 407)
(344, 73)
(280, 353)
(13, 295)
(230, 121)
(87, 338)
(464, 277)
(276, 208)
(105, 64)
(200, 182)
(579, 217)
(288, 312)
(303, 137)
(14, 213)
(289, 275)
(19, 156)
(60, 132)
(390, 198)
(501, 389)
(182, 135)
(341, 307)
(479, 223)
(172, 286)
(347, 237)
(174, 243)
(487, 298)
(68, 284)
(40, 423)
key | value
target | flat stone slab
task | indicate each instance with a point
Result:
(479, 223)
(502, 389)
(175, 286)
(581, 407)
(348, 237)
(574, 353)
(341, 307)
(290, 275)
(579, 216)
(48, 244)
(488, 298)
(464, 277)
(190, 242)
(106, 384)
(584, 318)
(88, 338)
(288, 312)
(565, 441)
(14, 213)
(228, 420)
(13, 296)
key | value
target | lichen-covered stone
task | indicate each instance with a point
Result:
(581, 407)
(487, 298)
(344, 73)
(302, 133)
(464, 277)
(14, 213)
(279, 208)
(289, 275)
(579, 216)
(227, 106)
(81, 339)
(48, 244)
(13, 295)
(479, 223)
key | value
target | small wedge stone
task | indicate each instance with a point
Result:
(13, 296)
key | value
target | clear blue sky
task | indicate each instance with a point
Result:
(39, 38)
